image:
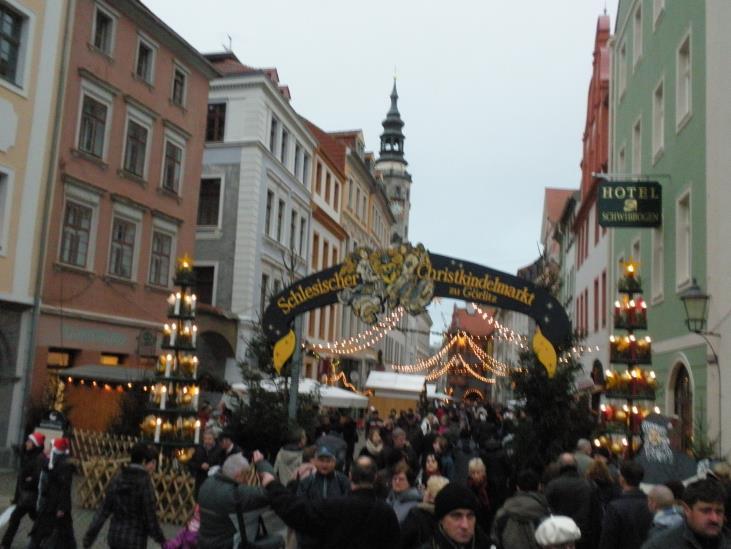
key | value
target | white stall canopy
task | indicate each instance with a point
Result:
(393, 385)
(332, 397)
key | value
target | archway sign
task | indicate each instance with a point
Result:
(374, 281)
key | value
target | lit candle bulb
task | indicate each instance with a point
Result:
(196, 392)
(193, 301)
(197, 436)
(195, 367)
(195, 335)
(168, 364)
(158, 423)
(171, 301)
(163, 397)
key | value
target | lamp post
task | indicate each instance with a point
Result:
(695, 302)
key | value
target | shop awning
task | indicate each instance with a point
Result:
(433, 394)
(393, 385)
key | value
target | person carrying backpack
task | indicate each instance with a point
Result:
(516, 521)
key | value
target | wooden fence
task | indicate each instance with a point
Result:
(101, 455)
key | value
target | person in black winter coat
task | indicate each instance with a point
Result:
(206, 456)
(627, 519)
(499, 471)
(54, 499)
(454, 510)
(578, 498)
(359, 520)
(420, 522)
(26, 487)
(130, 500)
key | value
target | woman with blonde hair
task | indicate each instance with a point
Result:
(419, 525)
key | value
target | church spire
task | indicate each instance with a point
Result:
(392, 138)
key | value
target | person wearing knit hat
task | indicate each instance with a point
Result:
(26, 488)
(54, 499)
(454, 509)
(558, 532)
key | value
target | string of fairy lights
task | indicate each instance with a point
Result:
(363, 340)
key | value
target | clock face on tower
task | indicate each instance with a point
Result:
(397, 209)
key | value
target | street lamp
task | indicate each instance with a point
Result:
(695, 302)
(696, 307)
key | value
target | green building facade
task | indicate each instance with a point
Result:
(658, 133)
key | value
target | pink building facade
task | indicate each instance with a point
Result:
(125, 195)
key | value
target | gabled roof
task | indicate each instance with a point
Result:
(472, 323)
(331, 148)
(228, 64)
(554, 201)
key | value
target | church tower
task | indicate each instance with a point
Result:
(391, 167)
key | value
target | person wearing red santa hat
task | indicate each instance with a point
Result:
(54, 499)
(26, 488)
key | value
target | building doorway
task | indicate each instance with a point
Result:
(683, 404)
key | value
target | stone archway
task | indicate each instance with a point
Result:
(681, 391)
(213, 352)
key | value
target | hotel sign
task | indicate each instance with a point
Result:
(630, 204)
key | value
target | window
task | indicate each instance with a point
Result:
(303, 228)
(658, 7)
(292, 229)
(103, 31)
(5, 194)
(209, 203)
(145, 65)
(658, 260)
(637, 254)
(277, 286)
(162, 245)
(93, 126)
(325, 254)
(318, 179)
(297, 161)
(637, 147)
(215, 121)
(205, 277)
(682, 240)
(268, 214)
(178, 89)
(280, 220)
(263, 294)
(683, 86)
(357, 202)
(283, 150)
(604, 298)
(637, 36)
(658, 121)
(327, 188)
(350, 194)
(315, 251)
(109, 359)
(121, 255)
(172, 167)
(59, 358)
(11, 30)
(622, 69)
(305, 168)
(336, 196)
(75, 236)
(622, 161)
(135, 150)
(273, 131)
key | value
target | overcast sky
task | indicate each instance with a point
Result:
(493, 95)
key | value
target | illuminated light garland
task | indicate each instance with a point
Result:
(473, 373)
(426, 363)
(504, 331)
(363, 340)
(498, 368)
(436, 374)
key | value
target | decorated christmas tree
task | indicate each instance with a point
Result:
(172, 422)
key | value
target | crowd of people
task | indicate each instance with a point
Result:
(443, 481)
